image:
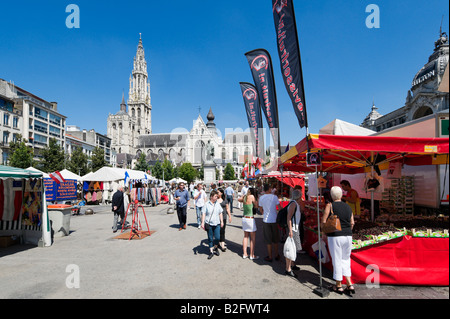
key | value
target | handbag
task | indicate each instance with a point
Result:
(332, 224)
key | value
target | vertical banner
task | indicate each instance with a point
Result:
(289, 52)
(262, 71)
(254, 116)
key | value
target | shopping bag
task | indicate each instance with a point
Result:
(324, 257)
(289, 249)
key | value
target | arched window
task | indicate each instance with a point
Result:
(172, 155)
(224, 154)
(234, 139)
(245, 139)
(235, 154)
(161, 155)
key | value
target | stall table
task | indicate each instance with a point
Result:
(406, 260)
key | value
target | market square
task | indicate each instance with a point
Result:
(231, 158)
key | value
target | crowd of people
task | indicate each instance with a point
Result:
(215, 210)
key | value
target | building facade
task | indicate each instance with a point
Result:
(88, 141)
(30, 116)
(424, 98)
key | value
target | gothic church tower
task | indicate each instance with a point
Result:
(139, 101)
(126, 126)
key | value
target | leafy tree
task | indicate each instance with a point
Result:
(142, 164)
(52, 157)
(201, 172)
(78, 162)
(187, 172)
(98, 159)
(21, 156)
(157, 170)
(229, 173)
(167, 167)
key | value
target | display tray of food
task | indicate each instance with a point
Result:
(366, 233)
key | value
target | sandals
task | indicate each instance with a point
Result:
(338, 290)
(350, 289)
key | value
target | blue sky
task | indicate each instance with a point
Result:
(195, 53)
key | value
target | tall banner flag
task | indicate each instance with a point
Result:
(289, 52)
(262, 71)
(254, 116)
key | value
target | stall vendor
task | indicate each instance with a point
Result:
(351, 198)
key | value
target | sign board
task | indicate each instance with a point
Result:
(443, 126)
(60, 192)
(313, 159)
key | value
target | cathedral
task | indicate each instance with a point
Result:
(131, 135)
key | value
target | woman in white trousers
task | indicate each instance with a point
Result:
(340, 242)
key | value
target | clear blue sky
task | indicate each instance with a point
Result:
(195, 53)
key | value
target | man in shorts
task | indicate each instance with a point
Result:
(270, 205)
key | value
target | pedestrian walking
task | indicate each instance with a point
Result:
(118, 208)
(340, 242)
(293, 220)
(270, 204)
(229, 192)
(182, 199)
(223, 201)
(239, 194)
(200, 199)
(248, 224)
(212, 219)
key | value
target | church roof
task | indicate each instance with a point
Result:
(163, 140)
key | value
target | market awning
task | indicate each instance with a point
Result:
(13, 172)
(356, 154)
(289, 178)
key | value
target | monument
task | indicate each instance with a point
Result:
(209, 167)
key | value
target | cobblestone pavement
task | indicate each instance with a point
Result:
(170, 264)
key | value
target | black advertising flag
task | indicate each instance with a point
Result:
(253, 110)
(262, 71)
(289, 52)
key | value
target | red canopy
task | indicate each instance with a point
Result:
(289, 178)
(355, 154)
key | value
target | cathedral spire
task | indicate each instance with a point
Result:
(123, 105)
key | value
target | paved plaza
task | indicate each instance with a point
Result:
(170, 264)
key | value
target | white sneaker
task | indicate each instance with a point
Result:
(254, 258)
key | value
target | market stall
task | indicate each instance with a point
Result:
(99, 187)
(401, 250)
(23, 208)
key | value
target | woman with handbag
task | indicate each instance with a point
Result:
(293, 221)
(339, 241)
(212, 221)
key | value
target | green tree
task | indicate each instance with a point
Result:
(142, 164)
(157, 171)
(167, 167)
(229, 173)
(98, 159)
(52, 157)
(187, 172)
(78, 162)
(21, 156)
(200, 173)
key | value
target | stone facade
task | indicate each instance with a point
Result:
(424, 97)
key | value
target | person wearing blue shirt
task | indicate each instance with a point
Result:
(229, 192)
(182, 199)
